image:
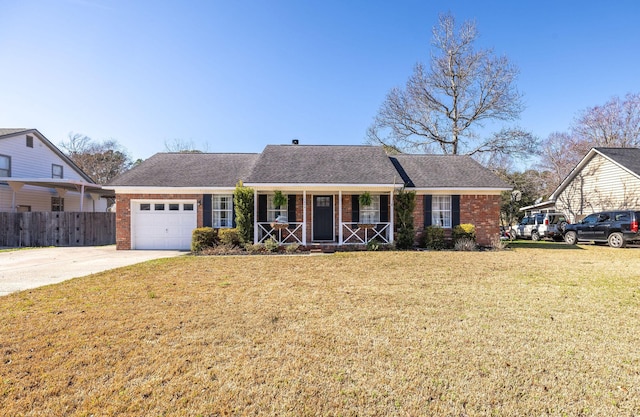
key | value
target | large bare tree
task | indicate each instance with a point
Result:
(102, 161)
(444, 103)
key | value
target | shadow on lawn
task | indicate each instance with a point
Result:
(542, 245)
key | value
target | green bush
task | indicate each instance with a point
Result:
(464, 231)
(292, 248)
(373, 245)
(243, 207)
(433, 238)
(404, 205)
(271, 245)
(229, 237)
(202, 238)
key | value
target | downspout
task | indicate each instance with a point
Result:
(81, 198)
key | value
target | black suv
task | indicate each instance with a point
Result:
(614, 227)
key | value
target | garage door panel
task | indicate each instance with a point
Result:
(154, 226)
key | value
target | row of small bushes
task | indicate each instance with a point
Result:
(207, 237)
(463, 237)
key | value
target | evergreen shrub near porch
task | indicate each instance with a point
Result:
(243, 206)
(405, 203)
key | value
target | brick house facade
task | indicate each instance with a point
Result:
(322, 185)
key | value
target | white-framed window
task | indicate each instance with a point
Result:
(222, 206)
(56, 171)
(29, 141)
(5, 166)
(273, 212)
(371, 213)
(441, 211)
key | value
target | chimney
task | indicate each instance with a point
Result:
(295, 141)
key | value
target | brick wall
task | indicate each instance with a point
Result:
(483, 211)
(123, 213)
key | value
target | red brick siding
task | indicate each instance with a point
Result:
(123, 213)
(483, 211)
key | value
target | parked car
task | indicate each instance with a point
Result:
(541, 225)
(613, 227)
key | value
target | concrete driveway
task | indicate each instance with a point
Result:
(31, 268)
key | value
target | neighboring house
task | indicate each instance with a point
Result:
(36, 176)
(160, 202)
(605, 179)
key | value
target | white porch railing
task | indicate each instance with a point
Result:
(358, 233)
(283, 235)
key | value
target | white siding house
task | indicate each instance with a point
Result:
(605, 179)
(36, 176)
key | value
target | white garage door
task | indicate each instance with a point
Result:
(162, 224)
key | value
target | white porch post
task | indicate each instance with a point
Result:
(255, 216)
(304, 217)
(15, 187)
(391, 217)
(81, 197)
(340, 217)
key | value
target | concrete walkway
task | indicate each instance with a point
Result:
(31, 268)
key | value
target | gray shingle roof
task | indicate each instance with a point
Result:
(627, 157)
(328, 164)
(189, 170)
(309, 164)
(445, 171)
(8, 131)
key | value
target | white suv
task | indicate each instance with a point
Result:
(541, 225)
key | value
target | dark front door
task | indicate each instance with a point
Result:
(323, 217)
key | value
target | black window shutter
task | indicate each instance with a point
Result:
(455, 210)
(355, 208)
(291, 212)
(262, 208)
(207, 214)
(384, 208)
(233, 213)
(427, 210)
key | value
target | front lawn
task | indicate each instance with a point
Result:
(527, 331)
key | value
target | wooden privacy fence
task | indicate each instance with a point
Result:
(51, 228)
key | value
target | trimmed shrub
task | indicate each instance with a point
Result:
(433, 238)
(373, 245)
(229, 237)
(271, 245)
(202, 238)
(243, 208)
(405, 203)
(464, 231)
(292, 248)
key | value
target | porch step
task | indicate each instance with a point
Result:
(315, 249)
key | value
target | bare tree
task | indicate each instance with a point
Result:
(614, 124)
(180, 146)
(102, 161)
(442, 104)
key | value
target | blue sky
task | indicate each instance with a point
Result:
(234, 76)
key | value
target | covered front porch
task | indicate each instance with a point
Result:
(323, 216)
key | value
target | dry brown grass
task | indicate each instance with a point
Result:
(521, 332)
